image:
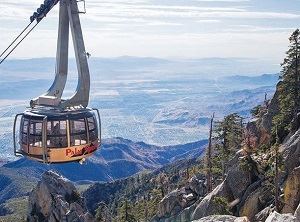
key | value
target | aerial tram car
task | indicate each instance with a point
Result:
(54, 130)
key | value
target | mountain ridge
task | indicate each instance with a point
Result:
(104, 166)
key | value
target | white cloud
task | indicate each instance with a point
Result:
(121, 10)
(194, 28)
(208, 21)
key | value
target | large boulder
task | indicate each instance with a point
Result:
(254, 133)
(216, 202)
(56, 199)
(260, 128)
(292, 192)
(231, 190)
(277, 217)
(238, 178)
(177, 200)
(222, 218)
(171, 204)
(265, 124)
(196, 186)
(291, 151)
(263, 215)
(256, 201)
(297, 213)
(182, 216)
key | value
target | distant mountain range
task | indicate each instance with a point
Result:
(209, 67)
(117, 158)
(265, 79)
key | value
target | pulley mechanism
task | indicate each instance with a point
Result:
(43, 10)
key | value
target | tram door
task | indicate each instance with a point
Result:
(32, 137)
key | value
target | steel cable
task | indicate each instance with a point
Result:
(18, 43)
(15, 39)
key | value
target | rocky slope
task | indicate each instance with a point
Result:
(139, 186)
(246, 191)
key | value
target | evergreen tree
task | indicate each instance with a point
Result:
(103, 213)
(289, 94)
(249, 147)
(228, 137)
(125, 212)
(153, 202)
(276, 167)
(162, 181)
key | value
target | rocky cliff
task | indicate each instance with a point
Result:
(248, 191)
(240, 194)
(56, 199)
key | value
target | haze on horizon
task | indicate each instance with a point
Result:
(163, 28)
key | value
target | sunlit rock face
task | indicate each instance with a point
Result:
(56, 199)
(222, 218)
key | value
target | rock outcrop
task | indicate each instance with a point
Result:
(222, 218)
(180, 200)
(239, 178)
(260, 127)
(56, 199)
(291, 151)
(297, 213)
(292, 192)
(263, 215)
(255, 202)
(213, 202)
(244, 193)
(265, 125)
(277, 217)
(232, 189)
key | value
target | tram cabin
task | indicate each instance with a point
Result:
(56, 137)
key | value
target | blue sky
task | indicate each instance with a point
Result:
(163, 28)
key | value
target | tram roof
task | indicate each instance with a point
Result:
(56, 114)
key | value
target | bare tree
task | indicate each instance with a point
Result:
(276, 172)
(209, 154)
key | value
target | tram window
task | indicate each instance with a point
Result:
(78, 132)
(57, 134)
(24, 137)
(35, 133)
(92, 129)
(91, 123)
(25, 125)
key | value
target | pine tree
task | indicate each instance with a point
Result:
(289, 94)
(153, 202)
(162, 181)
(249, 144)
(125, 212)
(103, 213)
(228, 135)
(276, 182)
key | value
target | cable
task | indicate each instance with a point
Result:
(18, 43)
(15, 39)
(38, 19)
